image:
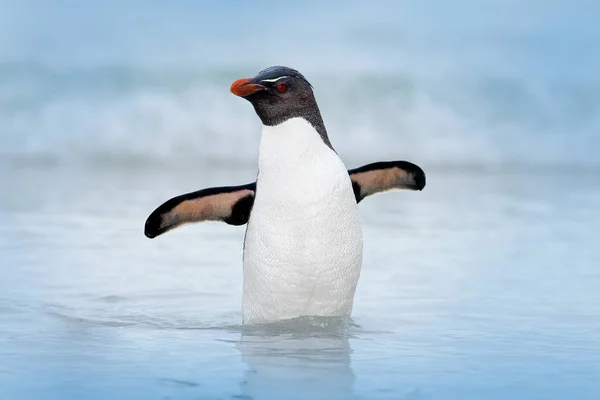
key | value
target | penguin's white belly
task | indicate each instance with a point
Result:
(303, 246)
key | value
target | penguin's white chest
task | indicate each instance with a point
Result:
(303, 246)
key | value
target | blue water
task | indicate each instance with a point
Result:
(484, 285)
(440, 82)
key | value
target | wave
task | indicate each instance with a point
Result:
(180, 116)
(446, 84)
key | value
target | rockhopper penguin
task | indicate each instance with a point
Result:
(303, 244)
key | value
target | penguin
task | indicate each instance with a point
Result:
(303, 246)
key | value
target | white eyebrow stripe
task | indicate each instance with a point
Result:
(273, 80)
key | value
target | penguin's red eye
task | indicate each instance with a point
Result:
(281, 88)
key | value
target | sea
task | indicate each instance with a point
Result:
(485, 285)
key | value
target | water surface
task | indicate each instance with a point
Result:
(484, 285)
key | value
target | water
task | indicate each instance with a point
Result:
(440, 82)
(484, 285)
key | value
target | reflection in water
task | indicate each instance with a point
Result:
(308, 353)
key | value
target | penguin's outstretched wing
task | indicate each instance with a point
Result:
(230, 204)
(233, 204)
(386, 175)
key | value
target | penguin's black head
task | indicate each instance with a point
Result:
(278, 94)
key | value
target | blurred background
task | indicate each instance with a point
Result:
(461, 83)
(484, 285)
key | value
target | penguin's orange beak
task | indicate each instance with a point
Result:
(243, 87)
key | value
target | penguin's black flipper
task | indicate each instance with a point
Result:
(386, 175)
(233, 204)
(230, 204)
